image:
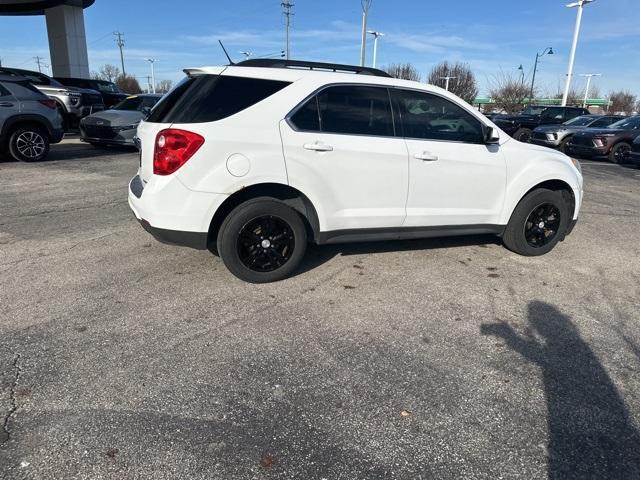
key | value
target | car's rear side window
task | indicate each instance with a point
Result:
(3, 91)
(208, 98)
(348, 109)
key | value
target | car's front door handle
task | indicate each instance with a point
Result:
(318, 147)
(426, 156)
(6, 104)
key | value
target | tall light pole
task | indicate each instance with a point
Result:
(446, 84)
(572, 56)
(586, 90)
(152, 61)
(546, 51)
(521, 68)
(376, 36)
(366, 4)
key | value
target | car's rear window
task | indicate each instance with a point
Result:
(207, 98)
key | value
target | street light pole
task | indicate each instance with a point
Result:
(376, 36)
(366, 4)
(446, 85)
(586, 90)
(572, 56)
(152, 61)
(549, 51)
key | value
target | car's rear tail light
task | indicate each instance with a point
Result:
(48, 103)
(173, 148)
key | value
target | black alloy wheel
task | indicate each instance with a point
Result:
(542, 225)
(265, 243)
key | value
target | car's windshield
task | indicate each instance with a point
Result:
(107, 87)
(136, 103)
(630, 123)
(533, 110)
(580, 121)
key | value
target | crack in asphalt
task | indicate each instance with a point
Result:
(13, 404)
(64, 210)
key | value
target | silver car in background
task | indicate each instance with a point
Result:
(557, 136)
(117, 126)
(29, 120)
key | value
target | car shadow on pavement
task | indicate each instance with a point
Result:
(320, 254)
(590, 431)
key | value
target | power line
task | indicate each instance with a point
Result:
(120, 42)
(287, 11)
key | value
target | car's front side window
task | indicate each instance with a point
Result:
(431, 117)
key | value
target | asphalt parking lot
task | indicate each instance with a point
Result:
(125, 358)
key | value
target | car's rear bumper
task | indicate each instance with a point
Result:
(57, 134)
(171, 212)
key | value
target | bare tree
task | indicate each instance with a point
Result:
(508, 92)
(128, 84)
(164, 86)
(107, 72)
(622, 101)
(405, 71)
(463, 84)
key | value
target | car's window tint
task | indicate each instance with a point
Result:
(356, 110)
(553, 113)
(432, 117)
(308, 116)
(603, 122)
(207, 98)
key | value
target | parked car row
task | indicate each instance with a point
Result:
(36, 110)
(574, 131)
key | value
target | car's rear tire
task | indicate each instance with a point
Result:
(619, 152)
(523, 135)
(29, 144)
(538, 223)
(262, 240)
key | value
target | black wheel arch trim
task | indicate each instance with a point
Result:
(27, 118)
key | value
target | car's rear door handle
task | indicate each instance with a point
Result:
(426, 156)
(6, 104)
(318, 147)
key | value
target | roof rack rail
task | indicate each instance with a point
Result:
(332, 67)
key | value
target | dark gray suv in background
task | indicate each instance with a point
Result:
(29, 120)
(557, 136)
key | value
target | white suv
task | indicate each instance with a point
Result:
(254, 160)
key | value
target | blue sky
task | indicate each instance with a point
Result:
(491, 35)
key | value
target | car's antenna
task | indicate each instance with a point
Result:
(231, 62)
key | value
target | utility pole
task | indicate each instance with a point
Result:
(287, 11)
(39, 62)
(586, 90)
(120, 42)
(376, 36)
(580, 4)
(366, 4)
(446, 85)
(152, 61)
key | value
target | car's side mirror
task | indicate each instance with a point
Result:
(491, 136)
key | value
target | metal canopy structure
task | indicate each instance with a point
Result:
(65, 28)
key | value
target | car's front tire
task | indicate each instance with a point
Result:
(523, 135)
(262, 240)
(29, 144)
(563, 145)
(538, 223)
(619, 153)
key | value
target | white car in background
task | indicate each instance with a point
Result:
(254, 160)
